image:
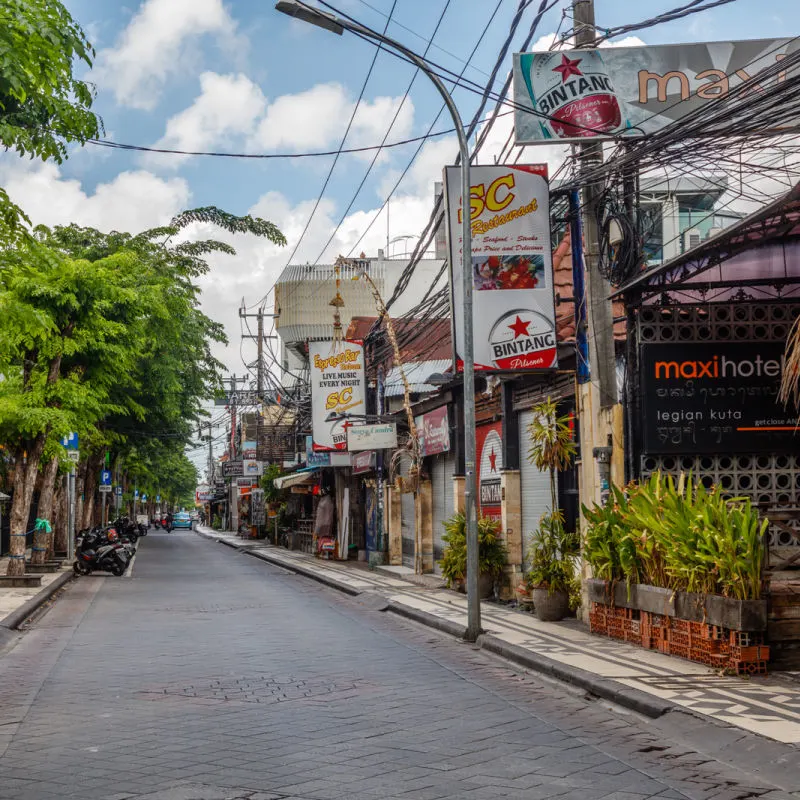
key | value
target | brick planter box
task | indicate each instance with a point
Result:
(718, 631)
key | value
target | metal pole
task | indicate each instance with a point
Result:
(103, 511)
(71, 515)
(334, 23)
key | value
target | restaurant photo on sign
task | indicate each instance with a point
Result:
(571, 95)
(512, 271)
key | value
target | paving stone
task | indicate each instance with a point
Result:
(210, 676)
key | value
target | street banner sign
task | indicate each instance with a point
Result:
(105, 477)
(257, 510)
(232, 469)
(575, 95)
(714, 397)
(337, 388)
(433, 430)
(512, 272)
(104, 488)
(252, 468)
(71, 441)
(372, 437)
(241, 397)
(364, 462)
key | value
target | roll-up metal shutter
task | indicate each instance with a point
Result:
(534, 485)
(442, 469)
(408, 526)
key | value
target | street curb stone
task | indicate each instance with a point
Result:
(307, 573)
(19, 615)
(428, 619)
(624, 696)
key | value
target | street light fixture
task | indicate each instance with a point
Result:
(337, 25)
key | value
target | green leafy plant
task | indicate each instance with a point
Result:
(492, 554)
(677, 535)
(552, 554)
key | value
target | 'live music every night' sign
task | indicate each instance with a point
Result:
(714, 398)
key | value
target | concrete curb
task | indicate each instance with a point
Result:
(604, 688)
(19, 615)
(428, 619)
(306, 573)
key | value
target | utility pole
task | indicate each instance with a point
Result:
(600, 414)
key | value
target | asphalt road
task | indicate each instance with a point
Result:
(210, 674)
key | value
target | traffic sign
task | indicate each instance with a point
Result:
(144, 498)
(135, 494)
(74, 455)
(118, 491)
(104, 488)
(158, 498)
(105, 477)
(70, 441)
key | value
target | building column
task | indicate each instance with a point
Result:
(424, 512)
(511, 520)
(395, 529)
(458, 494)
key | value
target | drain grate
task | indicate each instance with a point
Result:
(260, 689)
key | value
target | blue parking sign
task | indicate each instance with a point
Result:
(105, 477)
(119, 491)
(70, 441)
(135, 494)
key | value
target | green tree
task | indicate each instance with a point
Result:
(43, 106)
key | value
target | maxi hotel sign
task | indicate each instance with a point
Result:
(714, 398)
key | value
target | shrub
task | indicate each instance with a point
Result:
(492, 553)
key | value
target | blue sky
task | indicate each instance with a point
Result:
(236, 75)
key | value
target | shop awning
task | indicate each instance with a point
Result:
(303, 477)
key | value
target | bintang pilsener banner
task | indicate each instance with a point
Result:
(337, 389)
(512, 272)
(577, 94)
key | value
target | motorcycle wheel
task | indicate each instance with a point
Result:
(133, 537)
(79, 568)
(118, 568)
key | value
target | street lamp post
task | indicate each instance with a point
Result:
(337, 25)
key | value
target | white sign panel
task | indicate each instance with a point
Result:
(572, 95)
(372, 437)
(103, 487)
(337, 388)
(252, 468)
(512, 272)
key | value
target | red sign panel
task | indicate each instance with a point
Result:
(433, 430)
(490, 463)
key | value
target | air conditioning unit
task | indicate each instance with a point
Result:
(691, 238)
(714, 232)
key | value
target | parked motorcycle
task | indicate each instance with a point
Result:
(101, 550)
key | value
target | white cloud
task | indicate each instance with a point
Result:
(227, 105)
(318, 117)
(133, 201)
(156, 44)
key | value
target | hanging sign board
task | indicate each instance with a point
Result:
(232, 469)
(512, 272)
(363, 462)
(490, 461)
(316, 459)
(252, 468)
(433, 430)
(714, 398)
(575, 95)
(337, 388)
(372, 437)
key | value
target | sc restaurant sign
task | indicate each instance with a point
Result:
(572, 95)
(512, 273)
(337, 389)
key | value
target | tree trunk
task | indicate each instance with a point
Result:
(24, 481)
(89, 489)
(80, 480)
(60, 539)
(42, 542)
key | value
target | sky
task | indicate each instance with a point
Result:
(237, 76)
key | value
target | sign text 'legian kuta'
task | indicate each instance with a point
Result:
(337, 390)
(632, 91)
(514, 320)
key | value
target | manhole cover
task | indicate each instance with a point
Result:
(259, 689)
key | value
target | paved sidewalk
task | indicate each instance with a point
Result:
(13, 598)
(644, 680)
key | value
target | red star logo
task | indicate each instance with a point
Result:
(520, 328)
(493, 461)
(567, 68)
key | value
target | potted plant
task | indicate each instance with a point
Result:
(492, 553)
(552, 550)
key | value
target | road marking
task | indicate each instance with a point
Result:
(129, 571)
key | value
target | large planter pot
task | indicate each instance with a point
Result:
(550, 607)
(485, 585)
(635, 595)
